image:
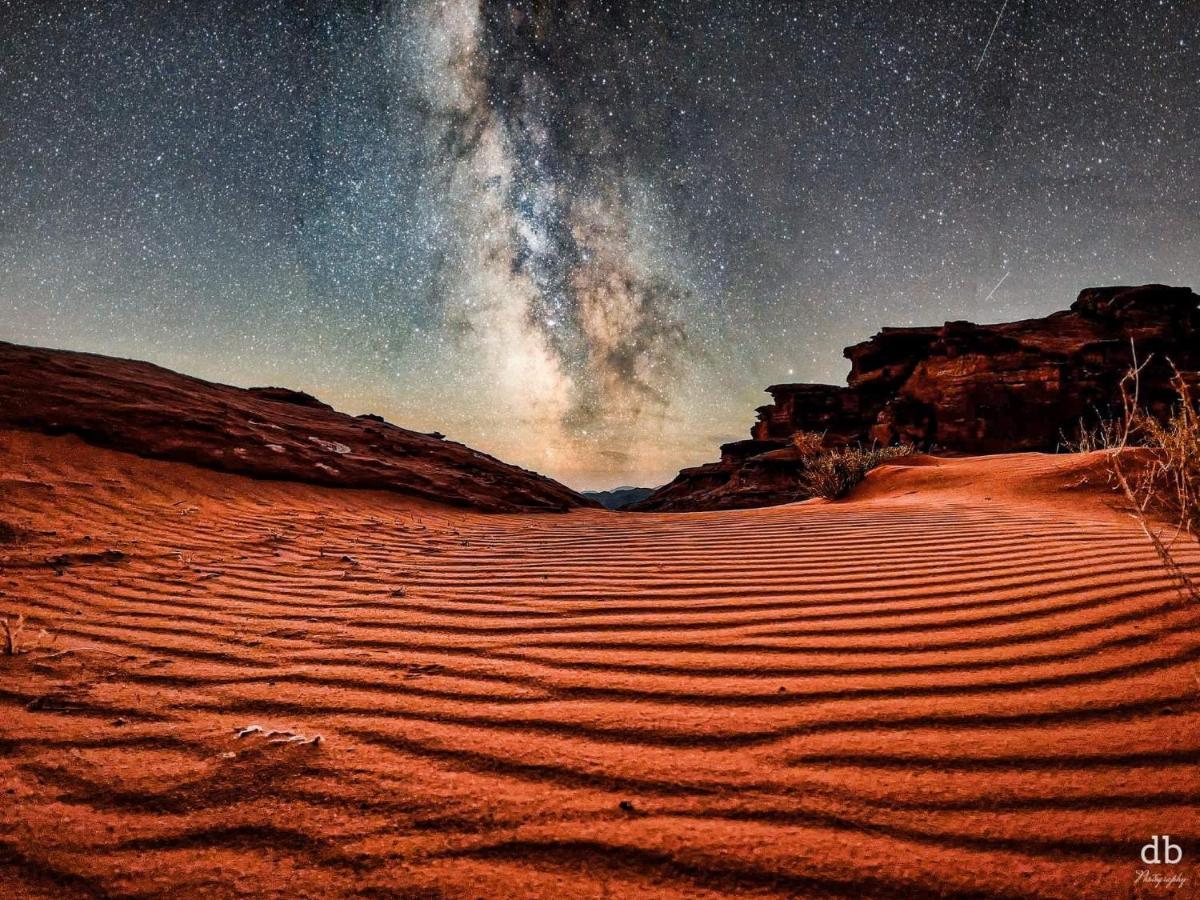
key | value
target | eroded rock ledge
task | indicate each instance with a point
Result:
(962, 387)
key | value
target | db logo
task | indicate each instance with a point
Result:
(1161, 850)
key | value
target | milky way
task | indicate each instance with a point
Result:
(556, 280)
(580, 235)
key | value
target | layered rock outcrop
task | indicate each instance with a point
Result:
(272, 432)
(966, 388)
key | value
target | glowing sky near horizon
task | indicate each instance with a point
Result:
(583, 235)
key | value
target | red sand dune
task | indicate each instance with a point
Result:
(973, 678)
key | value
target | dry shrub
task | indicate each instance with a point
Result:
(808, 443)
(1163, 481)
(1175, 470)
(832, 473)
(1106, 434)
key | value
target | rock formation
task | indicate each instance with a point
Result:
(270, 432)
(962, 387)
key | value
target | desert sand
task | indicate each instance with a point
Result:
(971, 678)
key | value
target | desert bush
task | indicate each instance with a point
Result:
(808, 443)
(1175, 466)
(832, 473)
(1162, 480)
(1106, 434)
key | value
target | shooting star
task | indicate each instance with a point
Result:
(992, 35)
(997, 287)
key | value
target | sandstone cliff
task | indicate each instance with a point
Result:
(962, 387)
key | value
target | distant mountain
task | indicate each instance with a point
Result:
(620, 497)
(270, 432)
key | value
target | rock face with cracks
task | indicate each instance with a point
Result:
(270, 432)
(962, 387)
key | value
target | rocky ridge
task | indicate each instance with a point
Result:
(965, 388)
(269, 432)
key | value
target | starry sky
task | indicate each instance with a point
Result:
(580, 235)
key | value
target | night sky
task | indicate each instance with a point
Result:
(581, 236)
